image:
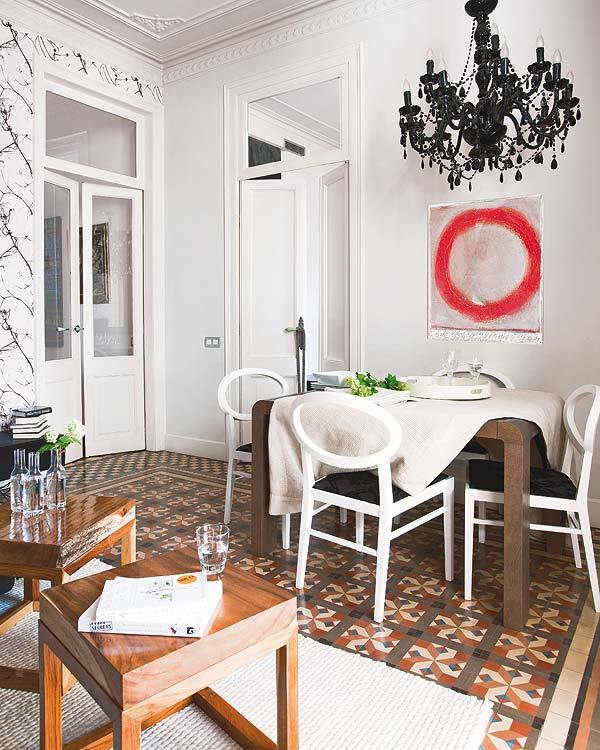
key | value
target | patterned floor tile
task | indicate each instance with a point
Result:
(459, 628)
(345, 593)
(369, 639)
(404, 611)
(506, 733)
(436, 662)
(316, 620)
(531, 650)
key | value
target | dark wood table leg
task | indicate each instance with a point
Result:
(264, 526)
(516, 436)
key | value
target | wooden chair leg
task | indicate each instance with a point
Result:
(229, 489)
(51, 677)
(304, 540)
(287, 695)
(384, 540)
(449, 529)
(128, 546)
(127, 733)
(286, 524)
(469, 515)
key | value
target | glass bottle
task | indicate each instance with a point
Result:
(16, 481)
(56, 482)
(33, 487)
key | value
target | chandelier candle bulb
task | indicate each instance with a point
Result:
(407, 94)
(495, 37)
(540, 49)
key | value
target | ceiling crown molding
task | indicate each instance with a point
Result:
(342, 15)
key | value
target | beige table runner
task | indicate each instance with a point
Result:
(433, 434)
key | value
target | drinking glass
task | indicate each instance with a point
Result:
(450, 363)
(475, 368)
(33, 488)
(213, 544)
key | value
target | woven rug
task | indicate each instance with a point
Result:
(346, 701)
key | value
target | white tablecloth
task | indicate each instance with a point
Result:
(433, 434)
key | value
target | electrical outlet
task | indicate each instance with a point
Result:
(212, 342)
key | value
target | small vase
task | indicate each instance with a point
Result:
(56, 483)
(33, 488)
(16, 481)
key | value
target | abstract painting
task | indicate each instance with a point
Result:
(485, 271)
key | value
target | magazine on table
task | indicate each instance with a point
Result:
(182, 605)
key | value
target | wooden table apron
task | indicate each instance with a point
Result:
(515, 434)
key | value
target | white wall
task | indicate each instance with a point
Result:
(397, 194)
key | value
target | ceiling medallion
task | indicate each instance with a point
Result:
(156, 24)
(510, 124)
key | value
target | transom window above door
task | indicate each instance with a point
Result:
(86, 135)
(299, 122)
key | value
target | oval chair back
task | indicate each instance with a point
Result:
(500, 378)
(583, 444)
(243, 453)
(313, 452)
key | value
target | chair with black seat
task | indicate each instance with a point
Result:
(566, 490)
(243, 453)
(358, 489)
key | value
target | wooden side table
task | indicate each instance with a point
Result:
(139, 680)
(51, 547)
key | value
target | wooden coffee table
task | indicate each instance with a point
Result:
(139, 680)
(51, 547)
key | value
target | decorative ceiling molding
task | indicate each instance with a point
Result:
(319, 23)
(157, 25)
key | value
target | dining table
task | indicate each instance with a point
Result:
(523, 442)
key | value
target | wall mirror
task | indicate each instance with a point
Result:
(296, 123)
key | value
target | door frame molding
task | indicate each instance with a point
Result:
(149, 117)
(344, 63)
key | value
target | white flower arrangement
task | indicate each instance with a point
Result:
(73, 434)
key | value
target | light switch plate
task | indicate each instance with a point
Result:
(212, 342)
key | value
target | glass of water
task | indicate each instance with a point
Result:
(475, 368)
(450, 363)
(213, 544)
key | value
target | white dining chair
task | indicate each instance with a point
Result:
(243, 453)
(566, 490)
(358, 489)
(474, 450)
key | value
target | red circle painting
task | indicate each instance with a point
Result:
(516, 223)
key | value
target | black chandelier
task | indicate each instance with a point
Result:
(514, 120)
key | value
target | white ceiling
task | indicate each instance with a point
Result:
(169, 30)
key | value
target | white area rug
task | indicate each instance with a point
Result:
(346, 701)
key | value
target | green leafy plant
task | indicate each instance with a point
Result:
(55, 441)
(391, 383)
(363, 384)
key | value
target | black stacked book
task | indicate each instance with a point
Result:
(30, 422)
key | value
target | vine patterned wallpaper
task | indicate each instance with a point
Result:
(17, 52)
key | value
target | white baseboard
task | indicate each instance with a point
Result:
(196, 446)
(594, 506)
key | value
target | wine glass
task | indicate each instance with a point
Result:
(475, 368)
(450, 363)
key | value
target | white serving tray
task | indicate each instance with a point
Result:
(449, 389)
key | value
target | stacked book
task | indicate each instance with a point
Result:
(30, 423)
(176, 605)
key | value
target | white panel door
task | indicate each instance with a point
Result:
(335, 273)
(113, 355)
(62, 382)
(272, 278)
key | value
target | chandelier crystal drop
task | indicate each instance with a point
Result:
(512, 121)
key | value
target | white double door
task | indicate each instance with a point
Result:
(294, 261)
(93, 291)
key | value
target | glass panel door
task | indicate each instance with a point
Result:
(113, 359)
(62, 380)
(57, 271)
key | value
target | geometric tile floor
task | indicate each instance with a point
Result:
(428, 629)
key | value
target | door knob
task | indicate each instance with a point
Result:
(60, 329)
(77, 328)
